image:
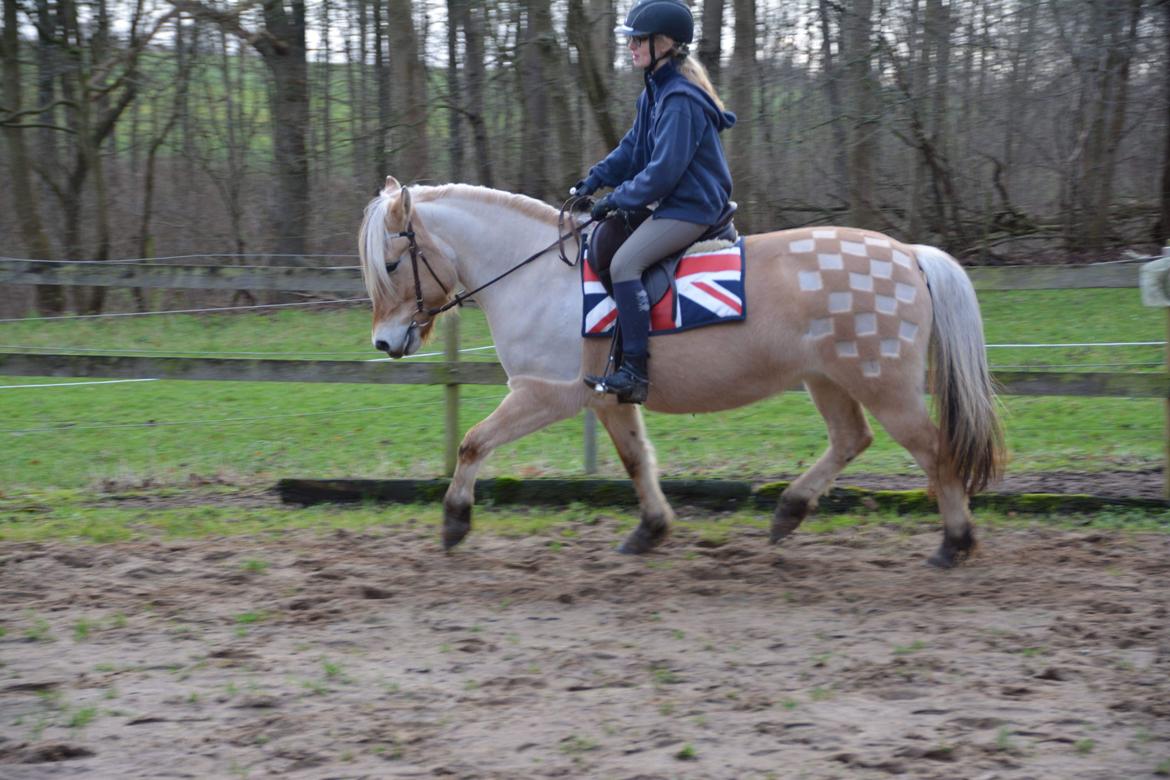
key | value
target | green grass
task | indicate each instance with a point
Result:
(158, 436)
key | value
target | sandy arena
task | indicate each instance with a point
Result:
(376, 655)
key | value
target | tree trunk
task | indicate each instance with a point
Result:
(534, 177)
(857, 34)
(593, 75)
(473, 25)
(741, 98)
(832, 78)
(455, 17)
(1162, 230)
(1114, 96)
(409, 135)
(49, 299)
(289, 101)
(711, 41)
(384, 161)
(326, 77)
(281, 45)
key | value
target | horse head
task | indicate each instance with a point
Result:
(408, 271)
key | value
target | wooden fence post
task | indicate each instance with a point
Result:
(451, 392)
(590, 435)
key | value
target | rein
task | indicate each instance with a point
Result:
(416, 254)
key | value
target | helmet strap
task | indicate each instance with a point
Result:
(653, 63)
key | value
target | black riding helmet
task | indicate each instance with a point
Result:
(671, 18)
(659, 17)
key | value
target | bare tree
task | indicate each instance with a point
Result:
(742, 97)
(281, 45)
(409, 138)
(593, 73)
(14, 120)
(473, 26)
(711, 40)
(858, 38)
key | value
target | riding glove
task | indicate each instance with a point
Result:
(603, 208)
(581, 189)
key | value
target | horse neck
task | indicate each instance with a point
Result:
(485, 238)
(489, 238)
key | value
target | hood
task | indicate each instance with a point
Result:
(668, 81)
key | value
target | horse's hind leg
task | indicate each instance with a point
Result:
(625, 427)
(531, 405)
(849, 435)
(912, 427)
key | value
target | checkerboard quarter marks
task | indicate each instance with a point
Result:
(854, 315)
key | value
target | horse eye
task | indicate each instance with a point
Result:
(391, 265)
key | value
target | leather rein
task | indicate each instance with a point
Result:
(416, 254)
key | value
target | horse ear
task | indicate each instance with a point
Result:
(392, 186)
(407, 204)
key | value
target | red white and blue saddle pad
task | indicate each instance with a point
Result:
(708, 289)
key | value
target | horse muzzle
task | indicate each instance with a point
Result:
(397, 342)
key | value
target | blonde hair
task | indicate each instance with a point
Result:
(695, 73)
(693, 70)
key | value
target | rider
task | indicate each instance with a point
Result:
(671, 161)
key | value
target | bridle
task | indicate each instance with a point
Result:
(428, 313)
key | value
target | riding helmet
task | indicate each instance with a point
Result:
(660, 17)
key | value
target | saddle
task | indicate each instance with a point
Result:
(658, 279)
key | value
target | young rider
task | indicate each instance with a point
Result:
(670, 161)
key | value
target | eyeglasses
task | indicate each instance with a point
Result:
(638, 40)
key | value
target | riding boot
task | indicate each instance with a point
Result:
(631, 382)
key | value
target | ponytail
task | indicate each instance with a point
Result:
(695, 73)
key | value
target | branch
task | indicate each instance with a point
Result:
(37, 125)
(10, 119)
(129, 57)
(229, 21)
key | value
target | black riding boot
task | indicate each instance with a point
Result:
(631, 382)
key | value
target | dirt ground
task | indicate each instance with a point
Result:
(1147, 483)
(375, 655)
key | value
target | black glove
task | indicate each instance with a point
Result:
(580, 190)
(603, 208)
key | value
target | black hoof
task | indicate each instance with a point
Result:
(789, 515)
(643, 539)
(952, 552)
(456, 525)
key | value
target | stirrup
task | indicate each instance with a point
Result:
(626, 384)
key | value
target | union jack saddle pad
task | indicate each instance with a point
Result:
(708, 288)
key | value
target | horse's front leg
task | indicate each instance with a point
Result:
(625, 427)
(531, 405)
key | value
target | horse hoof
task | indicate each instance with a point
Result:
(789, 515)
(456, 525)
(782, 529)
(951, 553)
(643, 540)
(943, 559)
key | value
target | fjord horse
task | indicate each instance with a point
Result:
(852, 314)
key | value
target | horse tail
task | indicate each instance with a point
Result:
(970, 433)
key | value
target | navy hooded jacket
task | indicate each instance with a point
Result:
(672, 155)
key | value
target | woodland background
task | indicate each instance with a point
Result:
(1003, 130)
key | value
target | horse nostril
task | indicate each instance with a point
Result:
(382, 346)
